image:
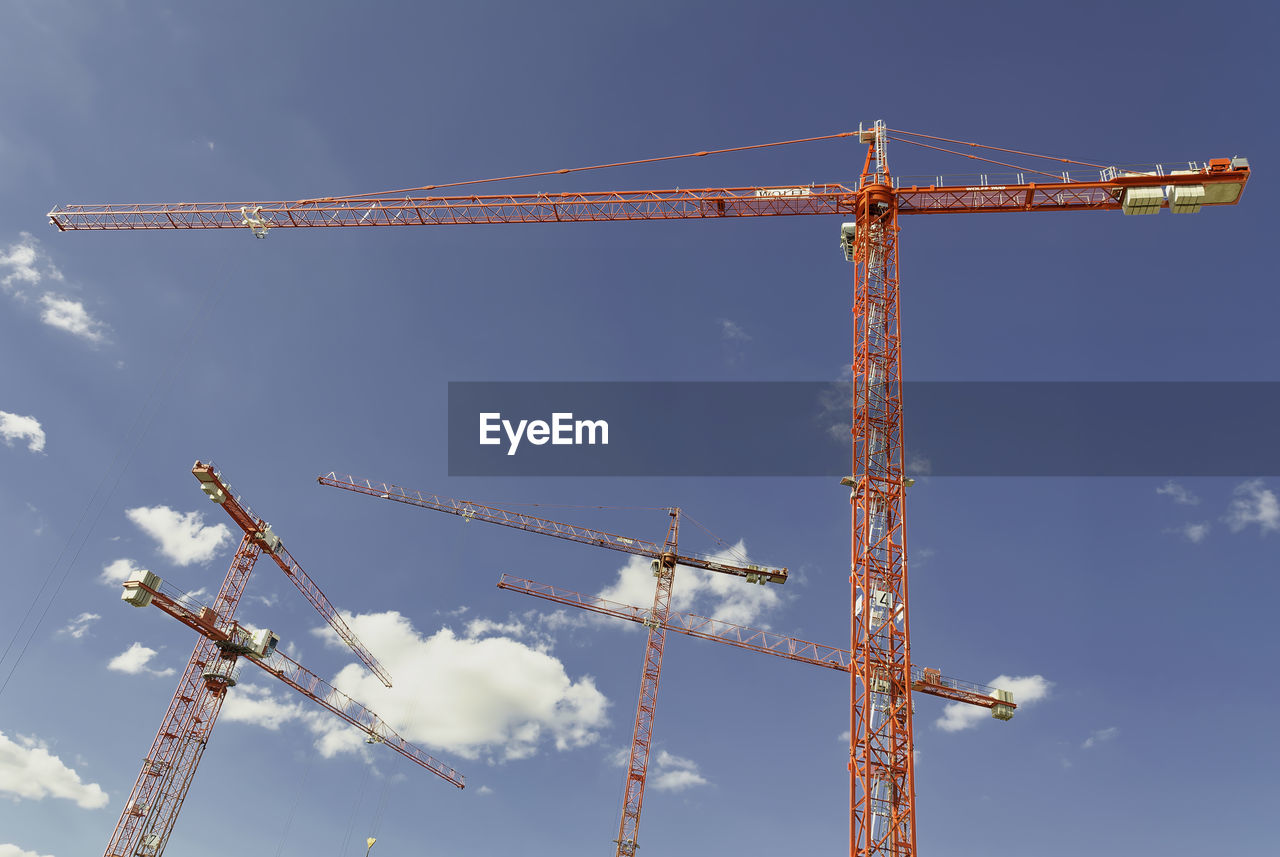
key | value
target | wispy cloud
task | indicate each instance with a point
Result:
(667, 771)
(25, 262)
(134, 660)
(182, 537)
(15, 427)
(1026, 690)
(731, 331)
(672, 773)
(733, 339)
(1253, 504)
(1196, 532)
(79, 626)
(71, 316)
(28, 770)
(1178, 493)
(1099, 736)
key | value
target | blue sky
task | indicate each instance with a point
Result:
(1144, 605)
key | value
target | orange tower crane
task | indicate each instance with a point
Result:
(929, 681)
(664, 558)
(152, 808)
(881, 777)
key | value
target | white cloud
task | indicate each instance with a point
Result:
(844, 737)
(481, 627)
(720, 596)
(1026, 690)
(116, 572)
(674, 773)
(484, 790)
(71, 316)
(183, 538)
(1178, 493)
(472, 697)
(1100, 735)
(8, 849)
(26, 263)
(79, 626)
(255, 705)
(1253, 504)
(14, 427)
(29, 770)
(134, 660)
(1195, 532)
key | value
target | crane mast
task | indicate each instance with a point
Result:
(646, 709)
(161, 787)
(881, 776)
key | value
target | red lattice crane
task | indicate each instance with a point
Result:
(881, 776)
(665, 559)
(928, 681)
(152, 808)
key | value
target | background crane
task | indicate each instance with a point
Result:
(664, 559)
(259, 647)
(149, 814)
(927, 680)
(881, 784)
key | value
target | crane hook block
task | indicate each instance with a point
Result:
(253, 219)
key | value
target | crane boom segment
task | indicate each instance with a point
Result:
(530, 523)
(219, 491)
(753, 639)
(231, 637)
